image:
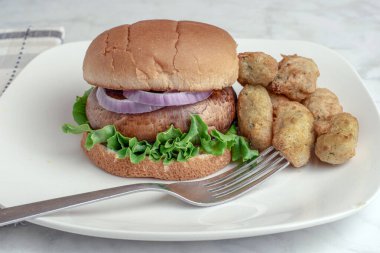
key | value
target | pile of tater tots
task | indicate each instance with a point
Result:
(281, 106)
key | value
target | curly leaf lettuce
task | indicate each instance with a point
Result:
(79, 108)
(171, 145)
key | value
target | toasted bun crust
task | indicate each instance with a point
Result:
(218, 112)
(196, 167)
(162, 55)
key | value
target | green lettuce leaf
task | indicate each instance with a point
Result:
(71, 129)
(171, 145)
(79, 108)
(100, 136)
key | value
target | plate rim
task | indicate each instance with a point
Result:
(212, 235)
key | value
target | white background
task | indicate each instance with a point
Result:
(352, 28)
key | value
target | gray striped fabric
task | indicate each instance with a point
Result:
(19, 46)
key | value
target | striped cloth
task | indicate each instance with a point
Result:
(18, 47)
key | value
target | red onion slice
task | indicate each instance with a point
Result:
(123, 105)
(165, 99)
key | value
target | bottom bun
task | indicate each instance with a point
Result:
(196, 167)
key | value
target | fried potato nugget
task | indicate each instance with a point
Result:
(323, 104)
(277, 99)
(255, 116)
(296, 78)
(338, 144)
(293, 132)
(256, 68)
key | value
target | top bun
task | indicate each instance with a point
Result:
(161, 55)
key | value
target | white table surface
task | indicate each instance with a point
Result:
(350, 27)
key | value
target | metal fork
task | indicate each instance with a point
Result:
(207, 192)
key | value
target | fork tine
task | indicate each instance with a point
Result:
(264, 167)
(236, 170)
(250, 184)
(253, 170)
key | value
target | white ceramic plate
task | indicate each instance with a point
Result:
(38, 161)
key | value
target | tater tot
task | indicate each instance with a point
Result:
(338, 144)
(293, 132)
(323, 104)
(255, 116)
(277, 99)
(296, 78)
(256, 68)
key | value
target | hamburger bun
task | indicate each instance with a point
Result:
(162, 55)
(196, 167)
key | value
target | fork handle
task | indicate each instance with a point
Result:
(24, 212)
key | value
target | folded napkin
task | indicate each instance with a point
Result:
(19, 46)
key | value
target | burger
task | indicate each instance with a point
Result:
(161, 103)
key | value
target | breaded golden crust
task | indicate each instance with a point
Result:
(256, 68)
(338, 144)
(296, 78)
(277, 99)
(293, 132)
(323, 104)
(255, 116)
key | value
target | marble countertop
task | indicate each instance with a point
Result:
(349, 27)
